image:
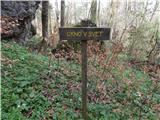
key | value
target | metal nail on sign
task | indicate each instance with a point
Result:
(84, 33)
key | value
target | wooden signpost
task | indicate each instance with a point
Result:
(83, 34)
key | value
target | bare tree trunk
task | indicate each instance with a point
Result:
(93, 15)
(99, 22)
(57, 12)
(45, 6)
(62, 15)
(62, 12)
(49, 20)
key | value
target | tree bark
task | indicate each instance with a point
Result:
(93, 15)
(45, 6)
(62, 12)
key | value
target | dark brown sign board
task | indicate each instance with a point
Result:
(84, 33)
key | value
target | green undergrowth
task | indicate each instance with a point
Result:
(33, 90)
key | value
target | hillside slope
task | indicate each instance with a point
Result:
(33, 90)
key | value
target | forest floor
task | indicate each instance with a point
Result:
(35, 88)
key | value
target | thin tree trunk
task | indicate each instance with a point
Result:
(57, 12)
(62, 12)
(50, 20)
(93, 15)
(45, 6)
(99, 22)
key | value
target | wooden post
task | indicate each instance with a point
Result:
(62, 12)
(84, 79)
